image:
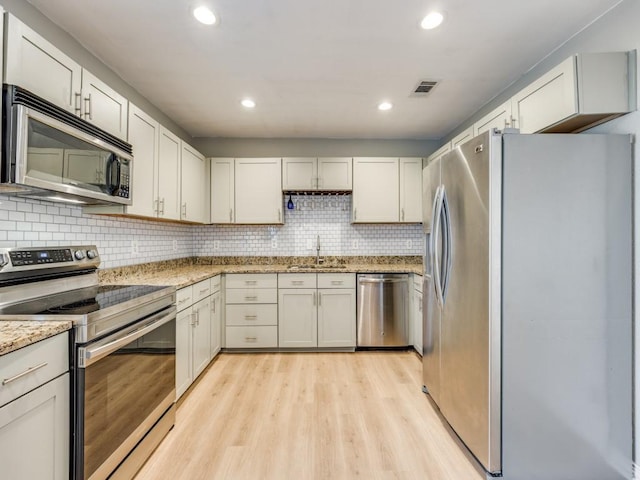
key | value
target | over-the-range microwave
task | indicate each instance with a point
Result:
(51, 154)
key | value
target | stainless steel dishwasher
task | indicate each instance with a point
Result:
(383, 309)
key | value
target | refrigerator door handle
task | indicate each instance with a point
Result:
(435, 257)
(448, 245)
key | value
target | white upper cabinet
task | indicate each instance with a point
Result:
(462, 137)
(35, 64)
(446, 148)
(103, 106)
(299, 173)
(168, 175)
(376, 190)
(144, 136)
(309, 174)
(222, 190)
(335, 173)
(411, 190)
(258, 191)
(194, 205)
(500, 118)
(582, 91)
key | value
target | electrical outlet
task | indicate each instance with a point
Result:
(134, 247)
(354, 244)
(175, 245)
(216, 245)
(274, 243)
(409, 244)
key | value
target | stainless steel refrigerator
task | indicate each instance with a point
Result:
(528, 302)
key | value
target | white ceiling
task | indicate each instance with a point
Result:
(318, 68)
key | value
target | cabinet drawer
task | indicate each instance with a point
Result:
(215, 283)
(184, 298)
(201, 290)
(252, 315)
(252, 337)
(47, 359)
(252, 295)
(296, 280)
(252, 280)
(336, 280)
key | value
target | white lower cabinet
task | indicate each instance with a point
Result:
(35, 411)
(193, 333)
(251, 311)
(316, 311)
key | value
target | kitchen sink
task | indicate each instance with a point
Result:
(313, 266)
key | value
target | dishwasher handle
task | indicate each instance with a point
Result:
(382, 280)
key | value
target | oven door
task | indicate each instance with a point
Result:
(124, 384)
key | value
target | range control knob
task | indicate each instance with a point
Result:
(91, 254)
(79, 254)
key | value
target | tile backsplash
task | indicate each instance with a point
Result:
(123, 241)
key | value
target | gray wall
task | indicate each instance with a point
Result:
(312, 147)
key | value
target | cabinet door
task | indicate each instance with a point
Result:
(103, 106)
(184, 327)
(222, 190)
(258, 190)
(201, 336)
(462, 137)
(549, 99)
(34, 433)
(299, 173)
(417, 321)
(376, 188)
(143, 136)
(193, 185)
(411, 190)
(297, 318)
(336, 317)
(35, 64)
(168, 175)
(335, 173)
(216, 323)
(499, 118)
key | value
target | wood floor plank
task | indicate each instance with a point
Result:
(316, 416)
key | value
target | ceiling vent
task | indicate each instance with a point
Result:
(423, 88)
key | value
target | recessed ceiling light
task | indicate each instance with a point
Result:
(204, 15)
(248, 103)
(384, 106)
(433, 20)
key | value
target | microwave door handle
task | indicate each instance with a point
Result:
(118, 168)
(111, 186)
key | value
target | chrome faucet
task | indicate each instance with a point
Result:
(318, 261)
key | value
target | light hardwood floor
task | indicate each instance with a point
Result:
(309, 416)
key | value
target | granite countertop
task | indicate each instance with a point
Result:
(184, 272)
(18, 334)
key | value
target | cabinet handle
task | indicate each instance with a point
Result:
(26, 372)
(314, 299)
(231, 215)
(252, 298)
(250, 282)
(161, 206)
(513, 121)
(250, 339)
(297, 282)
(279, 215)
(78, 104)
(156, 206)
(203, 291)
(355, 213)
(87, 108)
(213, 306)
(319, 299)
(251, 317)
(506, 123)
(184, 210)
(402, 214)
(420, 307)
(180, 302)
(337, 282)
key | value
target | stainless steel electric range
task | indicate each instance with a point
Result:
(122, 355)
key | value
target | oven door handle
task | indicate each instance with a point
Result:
(92, 353)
